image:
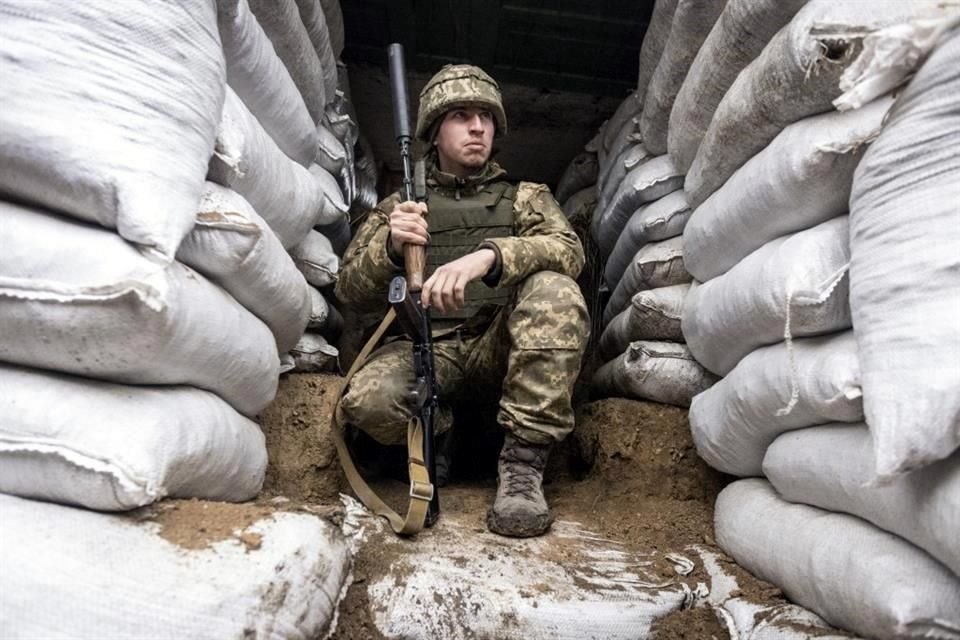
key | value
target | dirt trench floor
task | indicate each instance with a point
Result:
(630, 472)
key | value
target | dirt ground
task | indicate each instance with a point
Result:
(629, 471)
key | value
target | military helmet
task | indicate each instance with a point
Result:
(458, 85)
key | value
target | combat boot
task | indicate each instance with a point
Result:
(520, 510)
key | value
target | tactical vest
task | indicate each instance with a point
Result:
(457, 226)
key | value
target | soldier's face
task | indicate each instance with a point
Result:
(465, 140)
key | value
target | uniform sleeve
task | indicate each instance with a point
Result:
(544, 239)
(367, 268)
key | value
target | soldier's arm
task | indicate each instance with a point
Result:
(368, 265)
(544, 240)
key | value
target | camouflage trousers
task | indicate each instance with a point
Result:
(529, 355)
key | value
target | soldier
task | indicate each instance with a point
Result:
(507, 313)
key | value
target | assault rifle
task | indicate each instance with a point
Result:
(404, 293)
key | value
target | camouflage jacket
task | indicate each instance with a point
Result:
(543, 240)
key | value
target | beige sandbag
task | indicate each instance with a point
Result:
(234, 247)
(651, 315)
(657, 264)
(316, 260)
(659, 371)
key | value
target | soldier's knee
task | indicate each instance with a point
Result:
(550, 312)
(377, 407)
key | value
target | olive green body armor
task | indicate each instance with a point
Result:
(458, 225)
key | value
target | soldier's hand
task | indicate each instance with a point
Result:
(408, 225)
(444, 290)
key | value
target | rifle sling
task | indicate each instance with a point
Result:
(421, 489)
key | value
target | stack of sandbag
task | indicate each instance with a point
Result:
(639, 219)
(837, 380)
(146, 287)
(285, 82)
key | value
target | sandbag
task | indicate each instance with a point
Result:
(654, 41)
(334, 17)
(580, 203)
(905, 271)
(797, 75)
(281, 21)
(335, 209)
(658, 264)
(234, 247)
(313, 354)
(649, 370)
(692, 22)
(791, 287)
(651, 315)
(580, 173)
(831, 467)
(338, 234)
(771, 391)
(315, 22)
(78, 299)
(627, 136)
(284, 193)
(649, 181)
(330, 153)
(258, 76)
(846, 570)
(101, 123)
(659, 220)
(316, 260)
(799, 180)
(739, 35)
(631, 155)
(179, 570)
(617, 126)
(114, 447)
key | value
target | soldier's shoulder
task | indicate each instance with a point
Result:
(533, 195)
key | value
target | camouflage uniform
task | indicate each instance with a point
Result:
(527, 351)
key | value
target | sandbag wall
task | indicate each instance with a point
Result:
(173, 202)
(820, 247)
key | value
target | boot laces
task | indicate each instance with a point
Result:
(523, 472)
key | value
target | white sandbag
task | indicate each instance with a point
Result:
(791, 287)
(319, 310)
(658, 264)
(334, 18)
(651, 315)
(101, 123)
(258, 76)
(659, 371)
(799, 180)
(330, 153)
(79, 299)
(313, 354)
(654, 41)
(508, 587)
(235, 248)
(335, 209)
(631, 156)
(649, 181)
(659, 220)
(316, 260)
(905, 271)
(315, 22)
(580, 173)
(797, 75)
(846, 570)
(617, 126)
(739, 35)
(281, 22)
(832, 467)
(248, 161)
(692, 22)
(73, 574)
(771, 391)
(113, 447)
